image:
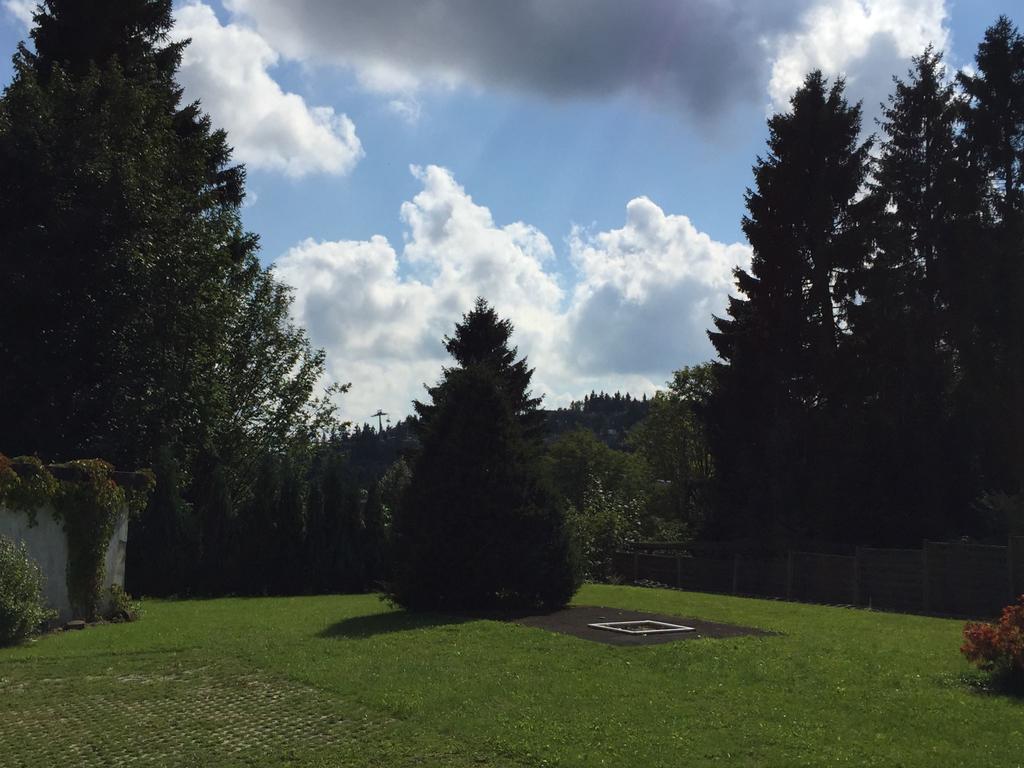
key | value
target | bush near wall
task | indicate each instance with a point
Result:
(86, 497)
(22, 610)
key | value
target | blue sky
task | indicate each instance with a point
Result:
(581, 163)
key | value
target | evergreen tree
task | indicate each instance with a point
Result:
(914, 483)
(257, 528)
(291, 524)
(992, 339)
(777, 431)
(478, 527)
(333, 560)
(219, 546)
(482, 338)
(158, 560)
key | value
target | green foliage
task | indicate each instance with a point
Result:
(577, 457)
(89, 510)
(29, 489)
(479, 527)
(121, 606)
(605, 523)
(22, 610)
(672, 441)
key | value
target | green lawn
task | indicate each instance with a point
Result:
(346, 681)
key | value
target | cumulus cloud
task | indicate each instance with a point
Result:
(21, 10)
(647, 292)
(698, 56)
(643, 297)
(227, 68)
(867, 41)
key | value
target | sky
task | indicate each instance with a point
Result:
(579, 163)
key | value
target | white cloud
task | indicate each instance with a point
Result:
(647, 292)
(867, 41)
(226, 67)
(21, 10)
(640, 309)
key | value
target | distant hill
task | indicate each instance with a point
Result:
(608, 416)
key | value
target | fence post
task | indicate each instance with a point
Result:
(736, 573)
(926, 578)
(1011, 572)
(789, 574)
(679, 570)
(857, 599)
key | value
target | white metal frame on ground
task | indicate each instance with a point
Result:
(623, 626)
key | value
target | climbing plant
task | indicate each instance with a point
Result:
(88, 503)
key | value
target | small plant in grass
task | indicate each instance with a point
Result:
(998, 648)
(122, 606)
(22, 610)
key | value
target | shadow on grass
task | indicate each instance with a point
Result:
(389, 623)
(1004, 685)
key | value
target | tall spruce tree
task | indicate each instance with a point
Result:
(482, 338)
(777, 418)
(914, 480)
(992, 327)
(479, 527)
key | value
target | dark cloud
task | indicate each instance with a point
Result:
(699, 55)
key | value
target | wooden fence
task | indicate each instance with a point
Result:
(948, 579)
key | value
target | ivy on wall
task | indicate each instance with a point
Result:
(88, 502)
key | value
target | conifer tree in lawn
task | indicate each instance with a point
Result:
(478, 527)
(992, 327)
(913, 458)
(776, 420)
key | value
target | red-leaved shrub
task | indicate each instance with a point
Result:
(998, 647)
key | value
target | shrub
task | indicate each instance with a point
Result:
(22, 611)
(122, 606)
(998, 648)
(607, 522)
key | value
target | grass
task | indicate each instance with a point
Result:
(344, 680)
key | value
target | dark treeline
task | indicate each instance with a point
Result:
(871, 382)
(609, 416)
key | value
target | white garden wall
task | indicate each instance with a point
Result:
(48, 546)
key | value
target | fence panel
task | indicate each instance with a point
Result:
(967, 579)
(892, 578)
(953, 579)
(1016, 565)
(820, 578)
(708, 574)
(659, 568)
(762, 576)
